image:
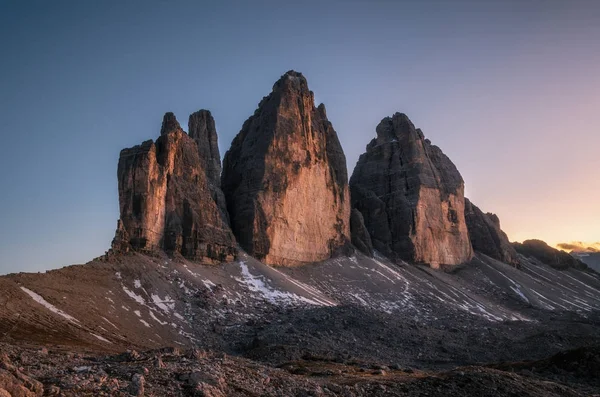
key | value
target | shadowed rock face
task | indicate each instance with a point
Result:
(166, 199)
(360, 234)
(411, 197)
(285, 179)
(201, 126)
(486, 235)
(548, 255)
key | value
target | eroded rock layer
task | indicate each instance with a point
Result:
(486, 235)
(166, 199)
(285, 179)
(411, 197)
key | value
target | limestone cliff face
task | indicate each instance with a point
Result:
(411, 197)
(166, 201)
(285, 179)
(486, 235)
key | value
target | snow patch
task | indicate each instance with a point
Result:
(100, 338)
(105, 319)
(166, 305)
(48, 305)
(256, 284)
(156, 319)
(134, 296)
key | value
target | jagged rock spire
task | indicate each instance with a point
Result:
(285, 179)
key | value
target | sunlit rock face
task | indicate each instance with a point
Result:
(411, 197)
(285, 179)
(486, 235)
(166, 199)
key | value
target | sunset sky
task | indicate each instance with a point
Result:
(510, 90)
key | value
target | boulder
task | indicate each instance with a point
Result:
(166, 199)
(285, 179)
(411, 197)
(486, 235)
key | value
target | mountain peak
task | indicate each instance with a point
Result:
(169, 124)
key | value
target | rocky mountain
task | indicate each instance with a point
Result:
(411, 197)
(285, 179)
(168, 194)
(542, 252)
(175, 308)
(486, 235)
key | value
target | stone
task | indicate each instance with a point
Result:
(411, 197)
(167, 202)
(360, 235)
(285, 180)
(486, 235)
(15, 383)
(548, 255)
(136, 387)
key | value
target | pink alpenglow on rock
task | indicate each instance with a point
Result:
(285, 179)
(168, 196)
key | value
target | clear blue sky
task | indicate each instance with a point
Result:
(510, 90)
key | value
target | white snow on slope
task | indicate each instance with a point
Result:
(166, 305)
(100, 338)
(257, 284)
(134, 296)
(105, 319)
(48, 305)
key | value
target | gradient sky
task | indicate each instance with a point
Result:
(510, 90)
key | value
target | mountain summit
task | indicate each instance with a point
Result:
(411, 197)
(168, 196)
(285, 179)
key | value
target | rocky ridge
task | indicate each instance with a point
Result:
(168, 195)
(544, 253)
(411, 197)
(486, 235)
(285, 179)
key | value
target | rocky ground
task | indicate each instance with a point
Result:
(351, 326)
(330, 352)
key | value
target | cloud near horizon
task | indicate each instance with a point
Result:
(579, 246)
